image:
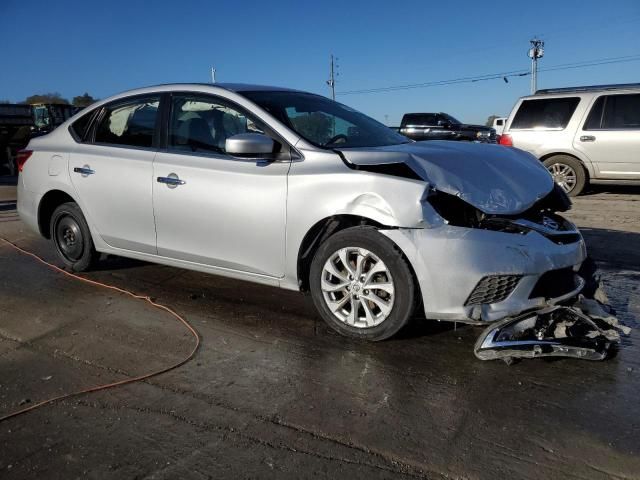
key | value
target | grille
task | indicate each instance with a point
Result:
(493, 289)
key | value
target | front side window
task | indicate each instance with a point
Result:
(203, 125)
(132, 123)
(323, 122)
(545, 113)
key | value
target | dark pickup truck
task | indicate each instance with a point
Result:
(442, 126)
(20, 122)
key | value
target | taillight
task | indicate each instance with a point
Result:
(22, 157)
(506, 140)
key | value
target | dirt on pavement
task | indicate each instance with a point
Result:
(272, 393)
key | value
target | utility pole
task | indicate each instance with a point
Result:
(213, 75)
(535, 52)
(332, 80)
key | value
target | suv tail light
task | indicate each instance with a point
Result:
(506, 140)
(22, 157)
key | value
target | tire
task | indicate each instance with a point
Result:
(381, 311)
(71, 238)
(568, 172)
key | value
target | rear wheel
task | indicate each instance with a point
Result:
(71, 237)
(361, 284)
(567, 172)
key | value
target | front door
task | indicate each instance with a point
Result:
(610, 137)
(112, 174)
(211, 208)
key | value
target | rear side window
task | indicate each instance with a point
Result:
(594, 120)
(80, 126)
(622, 112)
(545, 113)
(131, 123)
(615, 112)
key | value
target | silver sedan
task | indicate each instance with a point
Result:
(291, 189)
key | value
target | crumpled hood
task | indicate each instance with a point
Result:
(492, 178)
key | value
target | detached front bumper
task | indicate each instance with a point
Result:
(477, 276)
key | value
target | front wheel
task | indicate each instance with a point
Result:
(362, 285)
(71, 237)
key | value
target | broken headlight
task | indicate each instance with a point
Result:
(459, 213)
(540, 217)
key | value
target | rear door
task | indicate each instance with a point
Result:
(112, 173)
(610, 136)
(220, 211)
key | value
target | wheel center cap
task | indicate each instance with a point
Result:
(356, 287)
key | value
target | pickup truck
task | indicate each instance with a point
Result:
(20, 122)
(442, 126)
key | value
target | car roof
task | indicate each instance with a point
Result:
(584, 91)
(233, 87)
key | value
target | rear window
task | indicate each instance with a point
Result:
(545, 113)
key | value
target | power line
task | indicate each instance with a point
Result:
(495, 76)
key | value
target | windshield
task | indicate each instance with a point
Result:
(323, 122)
(452, 119)
(41, 116)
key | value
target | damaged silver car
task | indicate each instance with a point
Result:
(291, 189)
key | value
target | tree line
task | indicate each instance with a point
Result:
(55, 98)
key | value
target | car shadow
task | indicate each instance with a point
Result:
(113, 262)
(615, 189)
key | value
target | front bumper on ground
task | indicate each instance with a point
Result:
(450, 263)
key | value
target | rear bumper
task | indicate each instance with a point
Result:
(450, 262)
(27, 207)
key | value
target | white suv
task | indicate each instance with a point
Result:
(582, 135)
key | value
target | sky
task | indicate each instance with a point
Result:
(77, 46)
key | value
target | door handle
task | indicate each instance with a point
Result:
(171, 180)
(84, 171)
(587, 138)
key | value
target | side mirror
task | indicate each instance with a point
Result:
(249, 145)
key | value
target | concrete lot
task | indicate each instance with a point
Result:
(273, 394)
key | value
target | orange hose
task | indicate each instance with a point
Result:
(121, 382)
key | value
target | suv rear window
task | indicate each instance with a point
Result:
(545, 113)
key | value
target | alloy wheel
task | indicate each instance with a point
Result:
(563, 175)
(357, 287)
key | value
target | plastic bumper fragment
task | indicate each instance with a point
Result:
(582, 330)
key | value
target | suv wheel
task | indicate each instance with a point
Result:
(71, 237)
(567, 172)
(362, 285)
